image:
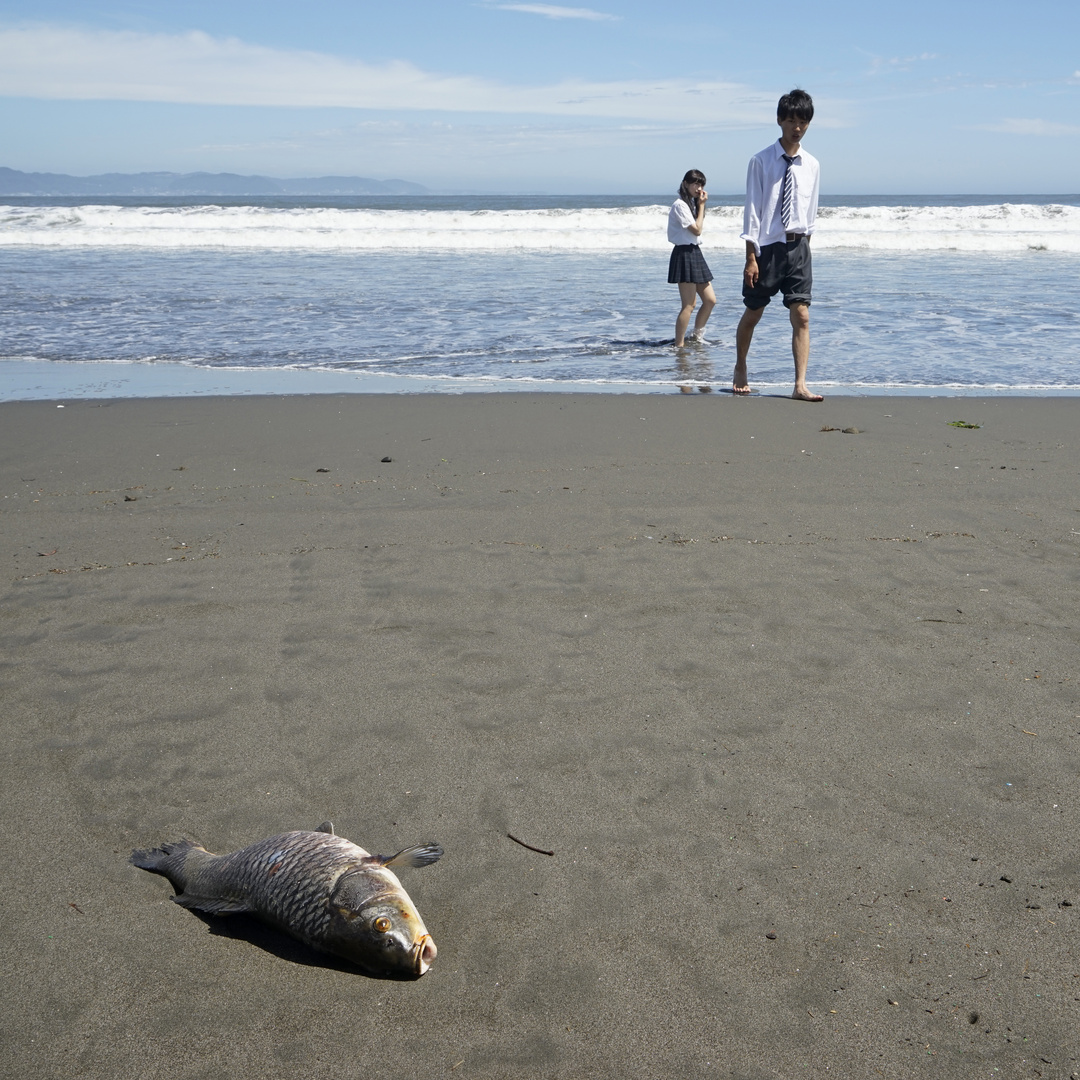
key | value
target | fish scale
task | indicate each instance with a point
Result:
(321, 888)
(287, 877)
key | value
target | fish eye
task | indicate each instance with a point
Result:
(382, 924)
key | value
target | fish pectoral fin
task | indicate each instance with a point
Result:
(326, 827)
(419, 855)
(212, 905)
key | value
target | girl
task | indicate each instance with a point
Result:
(687, 267)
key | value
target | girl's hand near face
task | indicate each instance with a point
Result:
(699, 223)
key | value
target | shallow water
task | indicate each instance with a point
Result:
(879, 319)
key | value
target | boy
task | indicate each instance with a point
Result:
(781, 207)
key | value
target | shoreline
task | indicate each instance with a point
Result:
(44, 380)
(790, 693)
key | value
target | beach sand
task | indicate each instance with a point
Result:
(796, 711)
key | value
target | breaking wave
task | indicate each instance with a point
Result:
(1004, 227)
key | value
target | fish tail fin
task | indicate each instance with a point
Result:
(181, 863)
(167, 860)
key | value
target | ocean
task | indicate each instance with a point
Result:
(127, 296)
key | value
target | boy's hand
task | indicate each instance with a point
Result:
(750, 271)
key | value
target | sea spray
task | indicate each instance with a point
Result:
(998, 228)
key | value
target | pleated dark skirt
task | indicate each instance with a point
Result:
(688, 264)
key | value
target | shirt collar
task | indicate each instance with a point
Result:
(780, 152)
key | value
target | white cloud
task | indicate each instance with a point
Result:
(886, 64)
(1017, 126)
(194, 68)
(536, 154)
(552, 11)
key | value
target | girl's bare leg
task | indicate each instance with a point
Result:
(708, 302)
(688, 296)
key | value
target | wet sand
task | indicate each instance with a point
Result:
(796, 710)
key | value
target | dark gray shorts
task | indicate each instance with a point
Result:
(782, 267)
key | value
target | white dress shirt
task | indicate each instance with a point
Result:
(765, 189)
(679, 218)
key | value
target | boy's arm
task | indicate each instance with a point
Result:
(750, 270)
(755, 192)
(811, 214)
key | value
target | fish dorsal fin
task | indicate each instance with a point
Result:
(419, 855)
(326, 827)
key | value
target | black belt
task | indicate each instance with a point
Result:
(793, 236)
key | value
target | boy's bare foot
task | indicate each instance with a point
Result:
(805, 395)
(740, 384)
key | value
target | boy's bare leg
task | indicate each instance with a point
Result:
(800, 350)
(743, 336)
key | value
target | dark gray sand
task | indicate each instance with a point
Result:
(796, 710)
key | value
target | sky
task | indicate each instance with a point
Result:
(943, 97)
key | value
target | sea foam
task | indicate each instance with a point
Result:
(1000, 228)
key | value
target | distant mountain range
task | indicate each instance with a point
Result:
(13, 182)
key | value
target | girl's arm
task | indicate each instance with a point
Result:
(699, 223)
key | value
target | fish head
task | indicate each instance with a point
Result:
(375, 925)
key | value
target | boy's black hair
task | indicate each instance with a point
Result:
(798, 104)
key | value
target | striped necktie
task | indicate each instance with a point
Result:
(787, 202)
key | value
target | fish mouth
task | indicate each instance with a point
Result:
(424, 953)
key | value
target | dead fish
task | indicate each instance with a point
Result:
(318, 887)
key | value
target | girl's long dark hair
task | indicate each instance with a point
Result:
(694, 176)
